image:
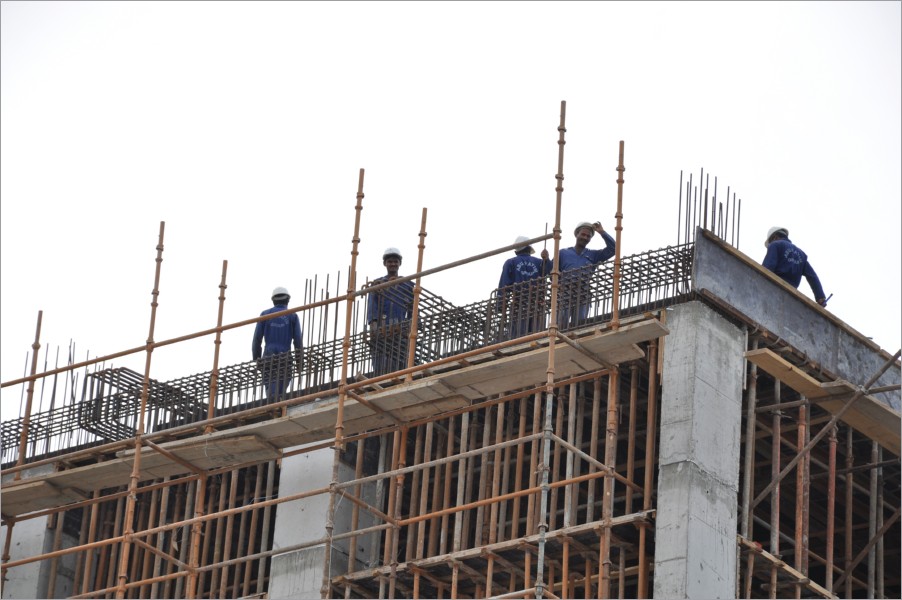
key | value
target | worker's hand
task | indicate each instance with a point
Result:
(544, 254)
(822, 302)
(598, 227)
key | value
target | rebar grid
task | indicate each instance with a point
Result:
(110, 397)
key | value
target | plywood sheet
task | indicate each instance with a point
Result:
(868, 415)
(35, 495)
(315, 421)
(787, 373)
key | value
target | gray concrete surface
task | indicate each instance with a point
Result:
(837, 346)
(698, 477)
(299, 574)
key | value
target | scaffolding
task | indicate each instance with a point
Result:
(489, 466)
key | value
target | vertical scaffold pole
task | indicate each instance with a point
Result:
(549, 382)
(201, 484)
(29, 397)
(23, 441)
(748, 484)
(607, 502)
(615, 301)
(217, 342)
(412, 344)
(136, 467)
(342, 393)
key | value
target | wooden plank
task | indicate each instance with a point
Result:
(36, 495)
(315, 421)
(787, 373)
(868, 415)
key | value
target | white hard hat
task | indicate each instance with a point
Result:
(590, 226)
(520, 239)
(773, 230)
(280, 291)
(392, 252)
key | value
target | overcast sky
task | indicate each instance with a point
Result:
(243, 127)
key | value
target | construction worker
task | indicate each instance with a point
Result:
(275, 362)
(521, 297)
(790, 263)
(577, 264)
(388, 315)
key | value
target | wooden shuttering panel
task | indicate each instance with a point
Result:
(315, 421)
(868, 415)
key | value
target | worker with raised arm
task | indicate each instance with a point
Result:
(275, 362)
(388, 315)
(577, 265)
(790, 263)
(520, 297)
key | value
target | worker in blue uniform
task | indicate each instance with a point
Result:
(275, 362)
(577, 265)
(520, 298)
(790, 263)
(388, 315)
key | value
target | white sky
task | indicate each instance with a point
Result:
(243, 126)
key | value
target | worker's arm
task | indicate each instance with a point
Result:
(297, 333)
(815, 283)
(257, 343)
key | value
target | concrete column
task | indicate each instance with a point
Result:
(31, 537)
(698, 476)
(299, 574)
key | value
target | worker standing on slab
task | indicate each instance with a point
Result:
(520, 298)
(388, 315)
(577, 264)
(275, 362)
(790, 263)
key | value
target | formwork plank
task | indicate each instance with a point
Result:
(868, 415)
(37, 495)
(787, 373)
(315, 421)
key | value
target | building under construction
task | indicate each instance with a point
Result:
(703, 430)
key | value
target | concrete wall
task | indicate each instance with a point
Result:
(698, 477)
(31, 537)
(299, 574)
(745, 285)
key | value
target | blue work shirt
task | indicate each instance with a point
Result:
(390, 305)
(571, 259)
(278, 333)
(522, 267)
(790, 263)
